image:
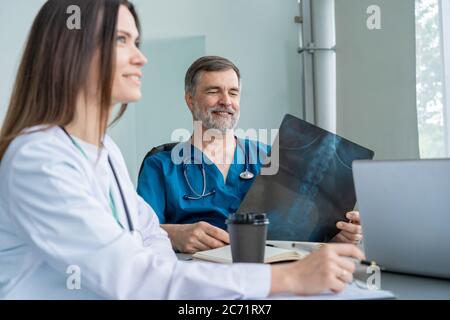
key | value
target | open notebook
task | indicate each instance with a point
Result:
(272, 254)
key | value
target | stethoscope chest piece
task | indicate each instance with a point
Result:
(246, 175)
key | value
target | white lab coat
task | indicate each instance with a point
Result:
(53, 215)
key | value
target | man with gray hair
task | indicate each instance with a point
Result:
(193, 198)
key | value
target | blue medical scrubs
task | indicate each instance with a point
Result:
(163, 185)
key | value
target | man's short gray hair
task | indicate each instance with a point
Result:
(207, 63)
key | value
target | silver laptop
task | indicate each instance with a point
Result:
(405, 214)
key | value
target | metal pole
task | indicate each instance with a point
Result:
(324, 64)
(317, 47)
(305, 37)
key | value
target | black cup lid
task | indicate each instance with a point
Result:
(248, 218)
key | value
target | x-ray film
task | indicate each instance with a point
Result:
(313, 188)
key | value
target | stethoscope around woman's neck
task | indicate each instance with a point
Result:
(244, 175)
(116, 178)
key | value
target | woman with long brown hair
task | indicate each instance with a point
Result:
(71, 223)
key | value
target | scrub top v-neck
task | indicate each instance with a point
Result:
(163, 185)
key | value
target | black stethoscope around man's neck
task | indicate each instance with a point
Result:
(116, 178)
(244, 175)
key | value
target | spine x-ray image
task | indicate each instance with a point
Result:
(313, 188)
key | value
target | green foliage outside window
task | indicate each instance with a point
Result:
(429, 73)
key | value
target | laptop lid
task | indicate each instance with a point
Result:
(405, 214)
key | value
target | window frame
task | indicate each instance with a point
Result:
(444, 9)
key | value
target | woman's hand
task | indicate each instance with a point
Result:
(329, 268)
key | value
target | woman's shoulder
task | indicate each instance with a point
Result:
(38, 142)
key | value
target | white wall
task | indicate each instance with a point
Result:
(376, 94)
(260, 36)
(375, 69)
(151, 121)
(15, 22)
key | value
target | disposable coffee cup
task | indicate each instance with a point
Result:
(248, 233)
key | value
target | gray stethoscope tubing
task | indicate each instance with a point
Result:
(196, 196)
(245, 175)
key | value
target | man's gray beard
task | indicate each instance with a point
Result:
(208, 121)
